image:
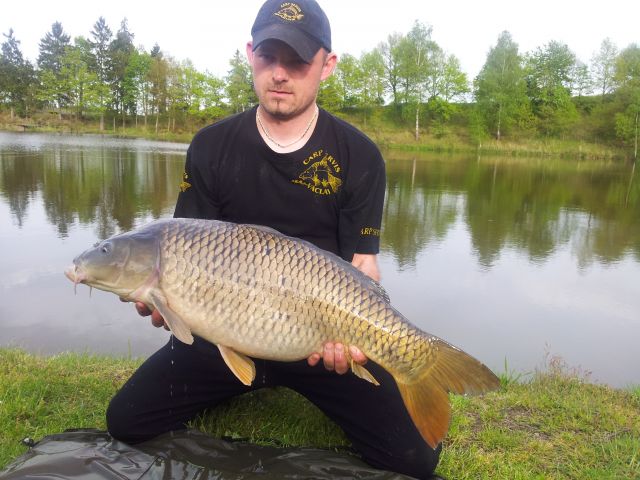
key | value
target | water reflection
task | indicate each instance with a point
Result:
(534, 206)
(108, 186)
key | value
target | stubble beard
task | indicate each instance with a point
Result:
(277, 110)
(282, 110)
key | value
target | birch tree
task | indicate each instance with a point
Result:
(627, 77)
(500, 87)
(603, 64)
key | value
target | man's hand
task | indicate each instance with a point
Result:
(367, 264)
(144, 311)
(336, 358)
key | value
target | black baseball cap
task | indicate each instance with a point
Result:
(301, 24)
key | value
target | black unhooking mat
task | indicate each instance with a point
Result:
(189, 454)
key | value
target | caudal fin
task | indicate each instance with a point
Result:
(427, 398)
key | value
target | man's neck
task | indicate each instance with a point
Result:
(285, 135)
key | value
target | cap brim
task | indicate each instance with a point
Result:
(305, 46)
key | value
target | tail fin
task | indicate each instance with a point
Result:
(427, 399)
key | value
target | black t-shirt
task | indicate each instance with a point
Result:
(330, 192)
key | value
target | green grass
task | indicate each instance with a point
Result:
(551, 425)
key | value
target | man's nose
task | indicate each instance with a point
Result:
(279, 72)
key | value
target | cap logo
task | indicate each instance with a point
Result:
(291, 12)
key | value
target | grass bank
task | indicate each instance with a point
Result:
(553, 425)
(385, 133)
(44, 123)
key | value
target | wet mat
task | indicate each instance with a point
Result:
(189, 454)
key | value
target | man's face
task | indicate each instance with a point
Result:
(285, 84)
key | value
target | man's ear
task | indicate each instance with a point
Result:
(250, 52)
(329, 65)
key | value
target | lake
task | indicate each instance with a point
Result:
(517, 261)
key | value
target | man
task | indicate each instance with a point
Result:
(289, 165)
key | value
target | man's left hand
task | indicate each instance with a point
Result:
(335, 357)
(367, 264)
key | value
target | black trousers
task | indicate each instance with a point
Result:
(179, 381)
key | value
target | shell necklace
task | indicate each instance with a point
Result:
(266, 132)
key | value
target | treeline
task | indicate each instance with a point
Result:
(408, 77)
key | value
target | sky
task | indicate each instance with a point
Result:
(209, 32)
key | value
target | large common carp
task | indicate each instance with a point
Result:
(255, 292)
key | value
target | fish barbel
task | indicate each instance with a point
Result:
(257, 293)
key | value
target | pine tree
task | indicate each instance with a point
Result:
(120, 51)
(101, 39)
(52, 49)
(16, 76)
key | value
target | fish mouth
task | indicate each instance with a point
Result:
(75, 275)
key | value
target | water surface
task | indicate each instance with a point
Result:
(512, 259)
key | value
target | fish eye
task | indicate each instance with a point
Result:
(106, 248)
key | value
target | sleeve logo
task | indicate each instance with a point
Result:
(184, 185)
(375, 232)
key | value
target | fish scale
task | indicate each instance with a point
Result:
(257, 293)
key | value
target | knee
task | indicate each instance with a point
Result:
(121, 422)
(116, 423)
(419, 462)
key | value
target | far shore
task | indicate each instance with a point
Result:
(387, 137)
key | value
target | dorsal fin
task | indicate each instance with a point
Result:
(379, 289)
(262, 228)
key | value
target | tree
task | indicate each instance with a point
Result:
(212, 101)
(373, 81)
(120, 50)
(81, 86)
(239, 89)
(454, 81)
(177, 95)
(549, 87)
(135, 82)
(52, 48)
(500, 87)
(350, 81)
(101, 39)
(16, 76)
(581, 84)
(329, 96)
(627, 77)
(51, 90)
(603, 65)
(417, 66)
(448, 83)
(157, 78)
(391, 51)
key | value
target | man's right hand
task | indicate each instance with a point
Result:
(156, 319)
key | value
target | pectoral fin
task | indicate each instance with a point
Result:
(177, 326)
(363, 373)
(359, 371)
(241, 365)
